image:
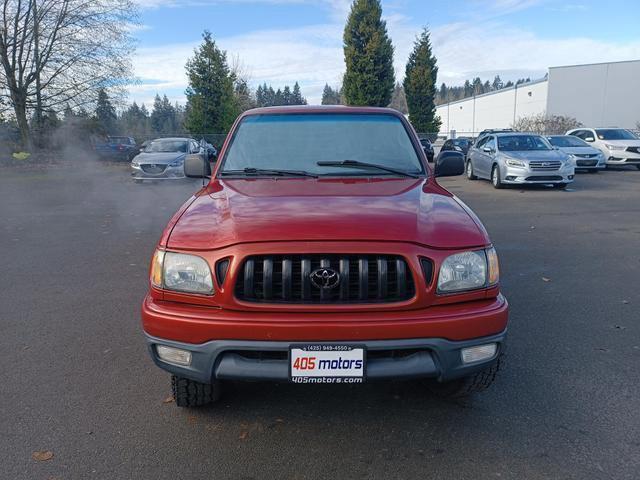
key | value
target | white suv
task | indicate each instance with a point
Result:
(620, 146)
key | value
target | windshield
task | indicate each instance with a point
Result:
(567, 141)
(158, 146)
(517, 143)
(615, 134)
(461, 142)
(299, 141)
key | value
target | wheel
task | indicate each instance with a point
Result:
(560, 186)
(469, 170)
(466, 386)
(189, 393)
(495, 177)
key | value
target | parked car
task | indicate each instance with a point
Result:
(323, 250)
(117, 148)
(583, 155)
(460, 144)
(518, 158)
(619, 146)
(163, 159)
(427, 146)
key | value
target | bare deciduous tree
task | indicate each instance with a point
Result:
(544, 124)
(55, 53)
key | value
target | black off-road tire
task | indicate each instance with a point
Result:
(466, 386)
(189, 393)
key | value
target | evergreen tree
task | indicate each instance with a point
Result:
(497, 83)
(105, 112)
(420, 85)
(508, 84)
(368, 53)
(399, 99)
(260, 96)
(211, 105)
(244, 99)
(287, 98)
(330, 96)
(298, 99)
(468, 89)
(444, 93)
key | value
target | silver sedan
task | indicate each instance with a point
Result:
(519, 158)
(163, 159)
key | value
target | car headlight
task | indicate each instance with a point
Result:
(135, 164)
(615, 147)
(572, 159)
(177, 163)
(469, 271)
(512, 162)
(181, 272)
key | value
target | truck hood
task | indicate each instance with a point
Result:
(236, 211)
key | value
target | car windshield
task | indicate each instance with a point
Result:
(460, 142)
(158, 146)
(567, 141)
(124, 140)
(615, 134)
(299, 141)
(517, 143)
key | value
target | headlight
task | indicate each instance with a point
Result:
(135, 164)
(512, 162)
(181, 272)
(469, 271)
(615, 147)
(572, 159)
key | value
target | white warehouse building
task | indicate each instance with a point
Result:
(597, 95)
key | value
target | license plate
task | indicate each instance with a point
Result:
(326, 364)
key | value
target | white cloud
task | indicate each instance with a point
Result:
(313, 55)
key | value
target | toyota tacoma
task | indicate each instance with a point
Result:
(323, 250)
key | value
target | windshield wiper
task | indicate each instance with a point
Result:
(269, 171)
(358, 164)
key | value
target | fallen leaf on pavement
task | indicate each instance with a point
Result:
(244, 435)
(169, 399)
(545, 279)
(42, 456)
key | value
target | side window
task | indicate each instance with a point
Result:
(481, 143)
(491, 143)
(193, 146)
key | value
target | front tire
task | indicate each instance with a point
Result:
(189, 393)
(469, 170)
(466, 386)
(495, 177)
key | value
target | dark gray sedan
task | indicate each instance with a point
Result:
(163, 159)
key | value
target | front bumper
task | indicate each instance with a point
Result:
(525, 175)
(268, 361)
(623, 157)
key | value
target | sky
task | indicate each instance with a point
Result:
(284, 41)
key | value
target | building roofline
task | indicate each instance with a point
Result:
(592, 64)
(495, 92)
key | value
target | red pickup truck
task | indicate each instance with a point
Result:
(323, 250)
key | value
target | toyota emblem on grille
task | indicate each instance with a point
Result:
(325, 278)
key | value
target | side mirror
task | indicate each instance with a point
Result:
(195, 166)
(449, 164)
(589, 139)
(487, 149)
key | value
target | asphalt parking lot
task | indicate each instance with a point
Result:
(77, 380)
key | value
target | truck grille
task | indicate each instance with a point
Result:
(545, 166)
(358, 279)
